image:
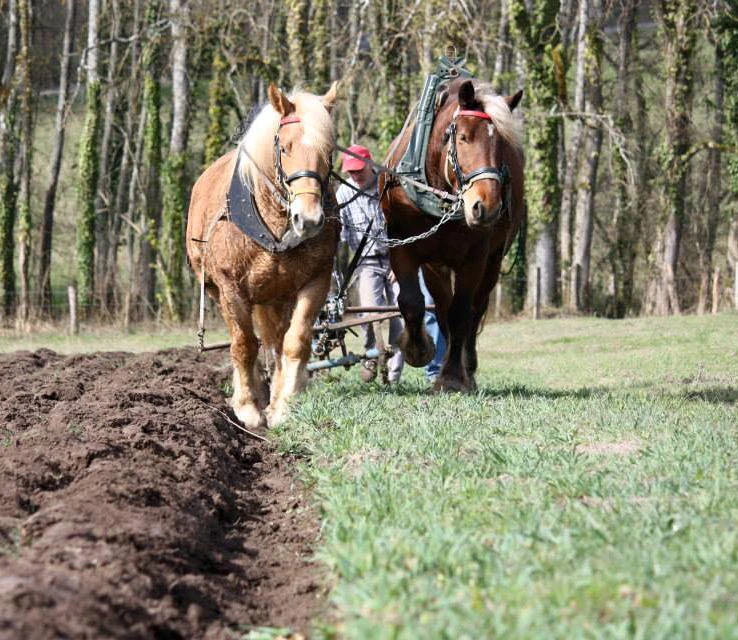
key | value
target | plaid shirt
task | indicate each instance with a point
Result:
(355, 219)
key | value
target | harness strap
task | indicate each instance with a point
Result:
(475, 114)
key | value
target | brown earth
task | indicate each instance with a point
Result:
(131, 508)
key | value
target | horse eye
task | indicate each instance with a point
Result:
(463, 138)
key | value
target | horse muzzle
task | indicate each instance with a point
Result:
(307, 224)
(479, 214)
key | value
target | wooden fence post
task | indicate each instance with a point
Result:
(537, 295)
(73, 317)
(498, 301)
(715, 290)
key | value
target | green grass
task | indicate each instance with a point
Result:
(589, 489)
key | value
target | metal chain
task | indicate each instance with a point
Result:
(451, 214)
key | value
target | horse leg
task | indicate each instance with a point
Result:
(244, 355)
(438, 281)
(479, 309)
(296, 346)
(415, 343)
(453, 374)
(271, 323)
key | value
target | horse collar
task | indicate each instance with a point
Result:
(242, 211)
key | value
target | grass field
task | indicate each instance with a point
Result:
(589, 489)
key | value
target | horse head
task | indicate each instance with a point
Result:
(304, 143)
(291, 143)
(477, 127)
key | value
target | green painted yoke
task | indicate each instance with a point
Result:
(412, 163)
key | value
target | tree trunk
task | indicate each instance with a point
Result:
(587, 187)
(538, 38)
(297, 41)
(568, 193)
(174, 188)
(217, 134)
(319, 43)
(104, 199)
(626, 220)
(503, 57)
(47, 224)
(713, 183)
(89, 164)
(8, 148)
(678, 26)
(121, 205)
(26, 162)
(151, 219)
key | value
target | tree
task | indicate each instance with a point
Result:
(627, 221)
(47, 223)
(173, 173)
(151, 218)
(8, 148)
(26, 162)
(677, 29)
(587, 187)
(89, 164)
(538, 39)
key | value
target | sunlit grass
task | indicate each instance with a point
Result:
(589, 489)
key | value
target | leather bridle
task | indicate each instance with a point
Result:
(464, 181)
(284, 181)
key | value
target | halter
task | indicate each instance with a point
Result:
(484, 173)
(284, 180)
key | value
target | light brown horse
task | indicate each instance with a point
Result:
(284, 158)
(474, 151)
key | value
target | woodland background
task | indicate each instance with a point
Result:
(109, 109)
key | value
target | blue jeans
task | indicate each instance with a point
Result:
(433, 368)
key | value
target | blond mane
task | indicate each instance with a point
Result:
(258, 141)
(508, 126)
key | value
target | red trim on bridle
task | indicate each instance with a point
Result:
(288, 120)
(474, 114)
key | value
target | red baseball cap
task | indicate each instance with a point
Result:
(354, 164)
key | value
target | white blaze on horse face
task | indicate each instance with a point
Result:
(306, 208)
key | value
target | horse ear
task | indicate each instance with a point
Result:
(466, 95)
(513, 100)
(329, 99)
(279, 100)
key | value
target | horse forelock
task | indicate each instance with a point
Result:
(258, 141)
(506, 123)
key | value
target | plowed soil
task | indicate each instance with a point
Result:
(130, 507)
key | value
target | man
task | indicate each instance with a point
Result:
(377, 284)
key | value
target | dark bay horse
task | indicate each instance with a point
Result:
(284, 159)
(474, 151)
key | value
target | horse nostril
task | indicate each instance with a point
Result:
(295, 221)
(478, 209)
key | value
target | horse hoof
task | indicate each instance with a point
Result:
(417, 355)
(275, 416)
(250, 416)
(450, 384)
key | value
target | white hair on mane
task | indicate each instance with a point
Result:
(509, 126)
(258, 141)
